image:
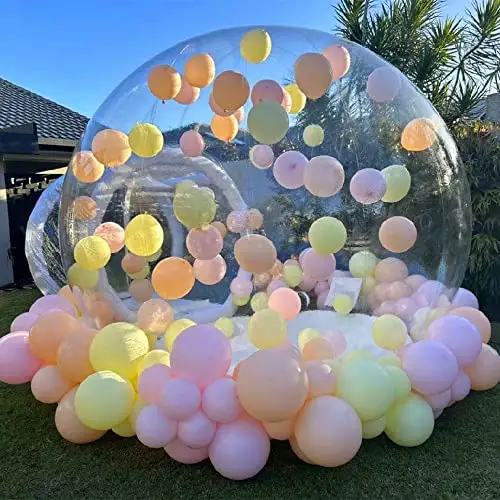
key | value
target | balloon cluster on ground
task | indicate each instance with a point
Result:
(302, 246)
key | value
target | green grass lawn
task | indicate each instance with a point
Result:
(460, 460)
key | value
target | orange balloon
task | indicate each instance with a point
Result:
(141, 290)
(68, 424)
(48, 332)
(318, 349)
(86, 168)
(418, 135)
(48, 385)
(111, 147)
(173, 278)
(255, 253)
(102, 313)
(313, 74)
(199, 70)
(73, 355)
(187, 94)
(217, 109)
(296, 449)
(220, 227)
(397, 234)
(484, 373)
(391, 269)
(164, 82)
(231, 90)
(132, 263)
(224, 128)
(84, 208)
(280, 430)
(272, 385)
(477, 318)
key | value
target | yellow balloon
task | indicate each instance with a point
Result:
(389, 360)
(185, 186)
(367, 387)
(306, 336)
(292, 275)
(194, 207)
(139, 405)
(154, 257)
(343, 304)
(362, 264)
(410, 422)
(119, 347)
(154, 357)
(145, 140)
(92, 253)
(255, 46)
(174, 330)
(313, 135)
(400, 382)
(389, 332)
(368, 285)
(226, 326)
(267, 329)
(82, 278)
(259, 301)
(327, 235)
(268, 122)
(373, 428)
(357, 354)
(398, 182)
(141, 274)
(240, 301)
(103, 400)
(298, 98)
(143, 235)
(124, 429)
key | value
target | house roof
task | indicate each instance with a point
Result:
(19, 106)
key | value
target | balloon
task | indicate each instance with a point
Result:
(73, 355)
(389, 332)
(399, 290)
(205, 243)
(313, 74)
(391, 269)
(306, 336)
(231, 90)
(199, 70)
(327, 235)
(368, 186)
(286, 302)
(153, 429)
(141, 290)
(192, 143)
(241, 287)
(113, 234)
(210, 272)
(52, 303)
(362, 264)
(23, 322)
(143, 235)
(240, 449)
(154, 357)
(255, 253)
(84, 208)
(255, 46)
(477, 318)
(272, 385)
(430, 365)
(397, 234)
(321, 379)
(383, 84)
(92, 253)
(292, 275)
(155, 315)
(259, 301)
(226, 326)
(289, 169)
(398, 183)
(179, 399)
(339, 59)
(119, 347)
(198, 431)
(328, 431)
(124, 429)
(324, 176)
(132, 264)
(220, 227)
(175, 329)
(374, 428)
(313, 135)
(18, 364)
(164, 82)
(267, 90)
(145, 140)
(111, 147)
(410, 422)
(418, 135)
(268, 122)
(86, 168)
(237, 221)
(262, 156)
(267, 329)
(484, 373)
(343, 304)
(173, 278)
(440, 400)
(48, 384)
(465, 298)
(187, 94)
(319, 267)
(255, 219)
(224, 128)
(69, 426)
(461, 387)
(400, 381)
(298, 98)
(151, 383)
(93, 397)
(220, 402)
(194, 207)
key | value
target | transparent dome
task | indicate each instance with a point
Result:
(367, 118)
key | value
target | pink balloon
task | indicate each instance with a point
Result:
(275, 285)
(318, 267)
(321, 301)
(205, 243)
(398, 290)
(406, 308)
(18, 364)
(431, 366)
(307, 284)
(391, 269)
(429, 292)
(210, 272)
(267, 90)
(197, 431)
(192, 143)
(113, 234)
(285, 301)
(179, 452)
(459, 335)
(387, 307)
(202, 354)
(236, 221)
(220, 402)
(440, 400)
(153, 429)
(57, 302)
(383, 84)
(241, 287)
(465, 298)
(240, 449)
(151, 383)
(337, 341)
(24, 322)
(187, 94)
(368, 186)
(262, 156)
(286, 103)
(324, 176)
(179, 399)
(415, 281)
(303, 254)
(239, 114)
(289, 169)
(339, 59)
(321, 287)
(461, 387)
(443, 301)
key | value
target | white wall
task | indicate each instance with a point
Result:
(6, 274)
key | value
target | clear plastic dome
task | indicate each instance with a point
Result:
(370, 117)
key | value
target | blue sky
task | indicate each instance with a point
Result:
(76, 52)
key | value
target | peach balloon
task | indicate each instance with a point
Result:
(328, 431)
(398, 290)
(318, 349)
(205, 243)
(113, 234)
(484, 373)
(141, 290)
(155, 315)
(255, 219)
(84, 208)
(262, 280)
(199, 70)
(73, 355)
(418, 135)
(296, 449)
(255, 253)
(220, 227)
(48, 333)
(339, 59)
(321, 379)
(286, 302)
(192, 143)
(280, 430)
(68, 424)
(224, 128)
(313, 74)
(267, 90)
(86, 168)
(236, 221)
(183, 454)
(231, 90)
(477, 318)
(187, 93)
(210, 272)
(173, 278)
(415, 281)
(397, 234)
(133, 264)
(287, 100)
(111, 147)
(272, 385)
(391, 269)
(164, 82)
(102, 312)
(239, 114)
(48, 385)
